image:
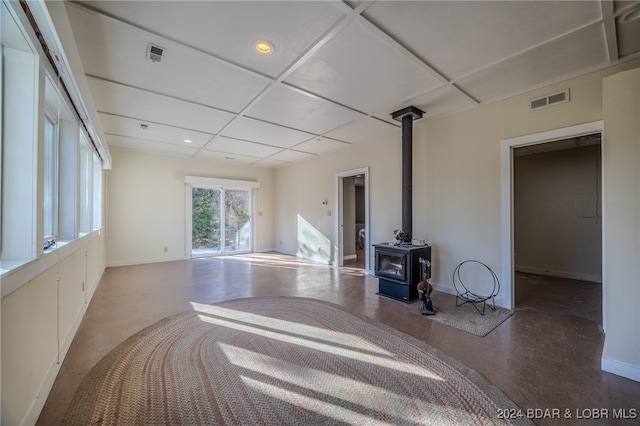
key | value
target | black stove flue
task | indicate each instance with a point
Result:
(406, 117)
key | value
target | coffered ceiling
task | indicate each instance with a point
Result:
(337, 70)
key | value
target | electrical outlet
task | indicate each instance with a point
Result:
(328, 212)
(166, 249)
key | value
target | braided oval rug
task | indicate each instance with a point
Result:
(281, 361)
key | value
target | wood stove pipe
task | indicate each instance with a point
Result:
(406, 117)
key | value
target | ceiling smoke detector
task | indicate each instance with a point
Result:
(154, 52)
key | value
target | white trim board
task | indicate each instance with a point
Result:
(205, 182)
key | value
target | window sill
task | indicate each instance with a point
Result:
(14, 273)
(10, 265)
(56, 246)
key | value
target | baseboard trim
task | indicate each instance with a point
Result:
(265, 250)
(350, 256)
(143, 261)
(444, 289)
(560, 274)
(619, 368)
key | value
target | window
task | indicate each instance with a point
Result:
(20, 74)
(220, 213)
(50, 174)
(211, 209)
(50, 180)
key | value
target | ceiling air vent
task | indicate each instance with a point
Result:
(154, 52)
(548, 100)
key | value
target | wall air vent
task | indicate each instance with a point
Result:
(154, 52)
(549, 100)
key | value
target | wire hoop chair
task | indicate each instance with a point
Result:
(464, 295)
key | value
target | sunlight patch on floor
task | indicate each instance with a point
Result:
(315, 338)
(346, 389)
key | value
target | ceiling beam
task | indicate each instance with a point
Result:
(611, 36)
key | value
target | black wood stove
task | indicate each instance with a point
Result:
(398, 269)
(398, 264)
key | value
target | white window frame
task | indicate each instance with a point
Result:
(97, 192)
(50, 180)
(86, 186)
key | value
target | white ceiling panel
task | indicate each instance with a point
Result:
(338, 69)
(139, 104)
(115, 51)
(482, 32)
(563, 58)
(320, 145)
(229, 29)
(222, 157)
(439, 102)
(362, 130)
(270, 163)
(237, 146)
(360, 70)
(293, 108)
(154, 132)
(142, 145)
(267, 133)
(291, 156)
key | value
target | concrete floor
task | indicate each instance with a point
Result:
(546, 356)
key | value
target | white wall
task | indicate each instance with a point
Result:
(146, 205)
(306, 227)
(557, 213)
(456, 182)
(621, 166)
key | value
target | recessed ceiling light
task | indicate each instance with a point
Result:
(630, 16)
(264, 47)
(188, 141)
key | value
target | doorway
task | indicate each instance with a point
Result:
(219, 217)
(558, 225)
(352, 219)
(509, 150)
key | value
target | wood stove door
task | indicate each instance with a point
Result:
(392, 265)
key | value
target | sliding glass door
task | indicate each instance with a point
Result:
(237, 223)
(220, 221)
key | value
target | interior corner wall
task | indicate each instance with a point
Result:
(305, 227)
(146, 208)
(621, 181)
(557, 213)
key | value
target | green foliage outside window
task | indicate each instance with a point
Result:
(206, 218)
(206, 232)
